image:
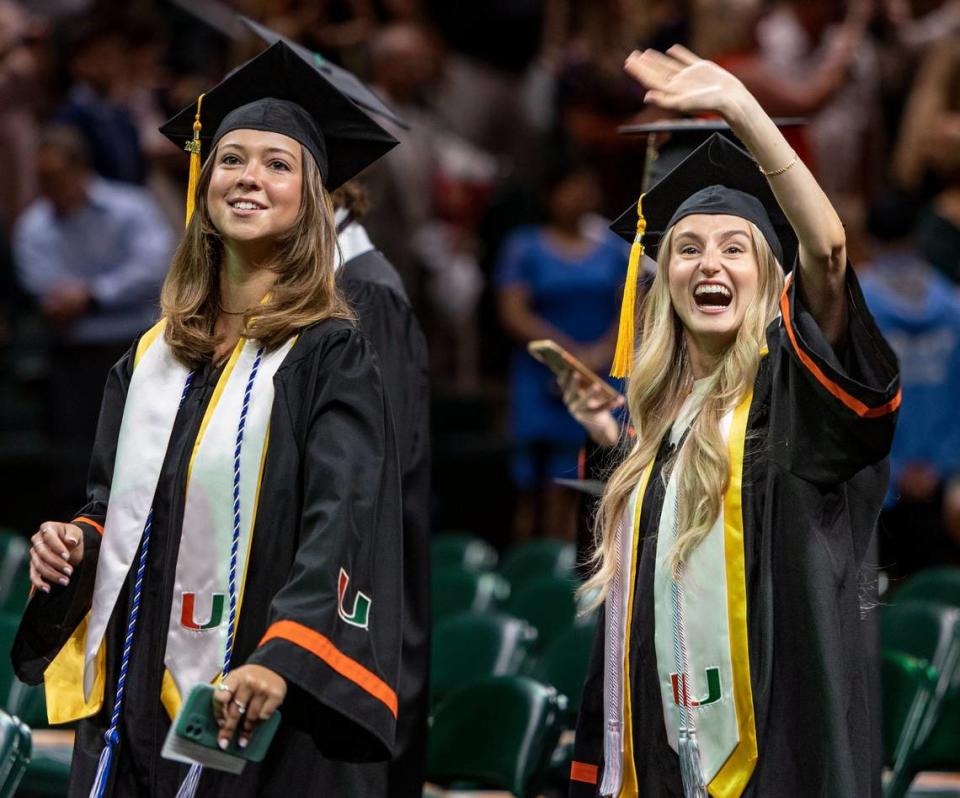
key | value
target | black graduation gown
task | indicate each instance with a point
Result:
(330, 498)
(815, 471)
(375, 291)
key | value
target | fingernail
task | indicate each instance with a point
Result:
(64, 581)
(220, 722)
(223, 743)
(45, 588)
(68, 570)
(72, 542)
(242, 742)
(65, 555)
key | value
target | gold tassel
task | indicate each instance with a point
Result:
(623, 357)
(193, 147)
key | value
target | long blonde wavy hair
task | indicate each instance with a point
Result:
(660, 381)
(304, 292)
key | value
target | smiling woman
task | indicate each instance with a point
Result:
(244, 486)
(733, 538)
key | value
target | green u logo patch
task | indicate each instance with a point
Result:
(360, 614)
(188, 612)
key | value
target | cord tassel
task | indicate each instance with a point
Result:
(694, 785)
(99, 788)
(188, 789)
(193, 147)
(623, 357)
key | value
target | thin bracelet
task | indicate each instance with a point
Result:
(782, 169)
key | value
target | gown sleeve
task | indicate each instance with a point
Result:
(588, 744)
(334, 628)
(834, 409)
(50, 618)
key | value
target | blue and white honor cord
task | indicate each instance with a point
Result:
(112, 735)
(188, 789)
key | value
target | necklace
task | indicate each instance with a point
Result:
(232, 312)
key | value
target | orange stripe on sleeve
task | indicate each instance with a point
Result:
(854, 404)
(84, 520)
(321, 647)
(581, 771)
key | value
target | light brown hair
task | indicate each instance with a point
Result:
(305, 291)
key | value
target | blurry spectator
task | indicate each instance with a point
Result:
(97, 62)
(93, 253)
(918, 312)
(427, 196)
(557, 282)
(480, 95)
(18, 88)
(595, 96)
(820, 43)
(928, 153)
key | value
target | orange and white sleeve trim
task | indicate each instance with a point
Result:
(321, 647)
(831, 386)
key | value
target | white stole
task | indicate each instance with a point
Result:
(150, 409)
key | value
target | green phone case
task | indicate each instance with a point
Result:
(197, 724)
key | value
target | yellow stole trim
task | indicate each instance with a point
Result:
(629, 787)
(735, 774)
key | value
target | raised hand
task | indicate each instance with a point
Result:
(55, 550)
(678, 80)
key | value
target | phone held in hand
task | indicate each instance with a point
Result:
(193, 736)
(561, 363)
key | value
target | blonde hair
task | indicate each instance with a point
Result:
(304, 292)
(661, 379)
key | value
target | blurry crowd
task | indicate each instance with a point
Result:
(494, 209)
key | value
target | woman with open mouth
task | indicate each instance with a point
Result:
(731, 657)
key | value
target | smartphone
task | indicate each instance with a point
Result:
(561, 363)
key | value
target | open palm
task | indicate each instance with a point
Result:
(680, 81)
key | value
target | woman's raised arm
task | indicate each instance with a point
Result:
(678, 80)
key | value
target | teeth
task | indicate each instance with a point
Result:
(712, 289)
(246, 206)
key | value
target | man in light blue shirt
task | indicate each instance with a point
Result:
(93, 253)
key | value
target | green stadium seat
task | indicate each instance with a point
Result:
(921, 690)
(14, 753)
(472, 646)
(467, 552)
(564, 664)
(936, 584)
(496, 734)
(538, 558)
(455, 590)
(14, 571)
(548, 604)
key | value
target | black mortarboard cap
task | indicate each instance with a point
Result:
(716, 178)
(347, 82)
(281, 91)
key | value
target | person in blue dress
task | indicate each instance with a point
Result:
(560, 280)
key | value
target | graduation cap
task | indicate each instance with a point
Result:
(345, 81)
(716, 178)
(281, 92)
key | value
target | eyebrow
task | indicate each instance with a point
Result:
(725, 234)
(237, 146)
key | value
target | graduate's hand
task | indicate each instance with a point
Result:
(591, 407)
(253, 694)
(678, 80)
(55, 550)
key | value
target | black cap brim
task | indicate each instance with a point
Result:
(352, 139)
(717, 161)
(345, 81)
